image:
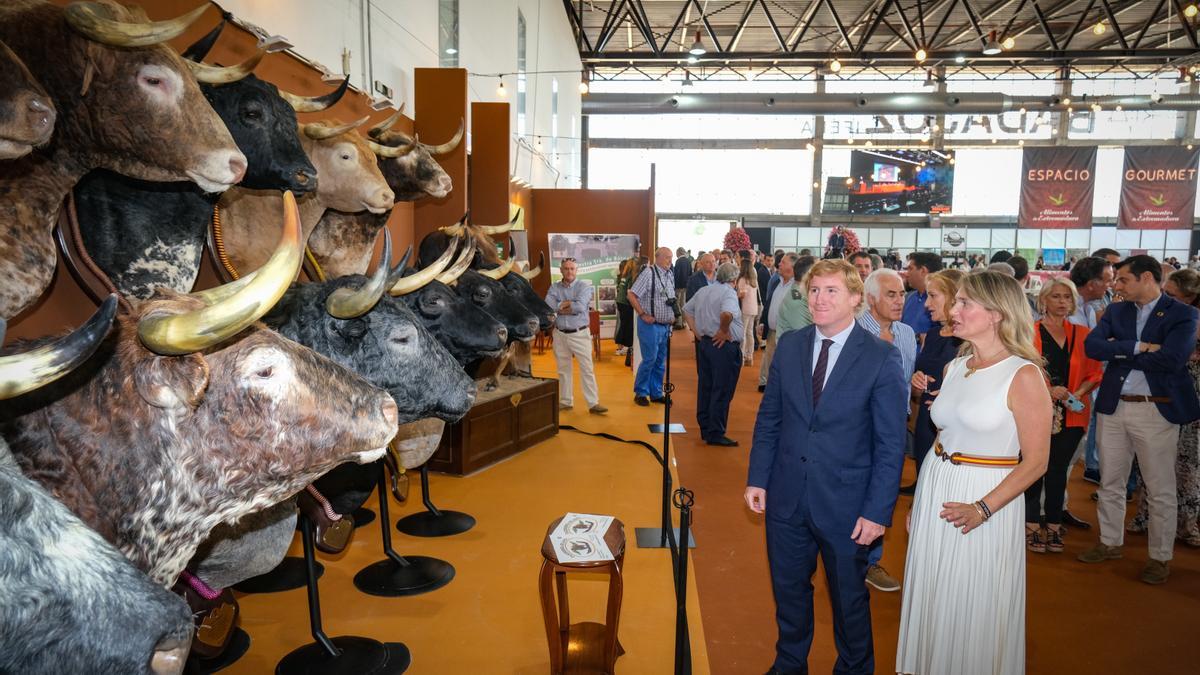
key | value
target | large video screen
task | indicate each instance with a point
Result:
(901, 182)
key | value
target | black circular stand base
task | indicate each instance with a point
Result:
(239, 644)
(289, 575)
(363, 517)
(389, 579)
(360, 656)
(441, 524)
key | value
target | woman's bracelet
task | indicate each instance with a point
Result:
(983, 509)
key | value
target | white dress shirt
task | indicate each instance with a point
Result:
(839, 340)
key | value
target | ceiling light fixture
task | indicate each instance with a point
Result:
(1099, 28)
(1190, 11)
(697, 46)
(500, 90)
(835, 65)
(921, 55)
(960, 59)
(991, 47)
(1066, 100)
(451, 51)
(1009, 43)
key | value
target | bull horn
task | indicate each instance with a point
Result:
(492, 230)
(417, 281)
(397, 272)
(228, 311)
(532, 274)
(320, 132)
(27, 371)
(449, 145)
(90, 19)
(224, 75)
(457, 228)
(390, 151)
(200, 48)
(503, 270)
(462, 265)
(351, 303)
(388, 123)
(310, 104)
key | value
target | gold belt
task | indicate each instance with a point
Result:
(957, 458)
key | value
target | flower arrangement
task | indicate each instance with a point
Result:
(738, 240)
(852, 242)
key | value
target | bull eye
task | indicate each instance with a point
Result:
(346, 156)
(153, 81)
(253, 115)
(264, 372)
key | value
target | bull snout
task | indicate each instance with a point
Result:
(304, 180)
(502, 333)
(381, 201)
(169, 657)
(40, 116)
(534, 325)
(442, 187)
(219, 170)
(391, 414)
(237, 167)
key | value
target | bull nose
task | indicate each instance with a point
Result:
(305, 180)
(387, 198)
(533, 326)
(41, 114)
(390, 413)
(237, 167)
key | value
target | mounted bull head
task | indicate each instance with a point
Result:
(26, 112)
(414, 173)
(133, 109)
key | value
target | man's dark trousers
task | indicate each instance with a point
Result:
(718, 368)
(793, 541)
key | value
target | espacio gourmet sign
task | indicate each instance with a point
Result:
(1058, 185)
(1158, 188)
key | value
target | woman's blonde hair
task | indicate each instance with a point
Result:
(1003, 294)
(947, 282)
(1049, 285)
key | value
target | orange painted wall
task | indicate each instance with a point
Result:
(440, 106)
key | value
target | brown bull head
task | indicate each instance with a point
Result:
(26, 112)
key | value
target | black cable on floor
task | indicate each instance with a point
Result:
(600, 434)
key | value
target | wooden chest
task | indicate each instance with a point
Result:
(518, 414)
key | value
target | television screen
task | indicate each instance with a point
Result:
(901, 182)
(886, 173)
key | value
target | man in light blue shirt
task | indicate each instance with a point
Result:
(883, 295)
(715, 316)
(572, 300)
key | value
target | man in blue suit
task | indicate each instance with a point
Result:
(825, 467)
(1145, 395)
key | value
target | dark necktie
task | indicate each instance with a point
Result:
(819, 371)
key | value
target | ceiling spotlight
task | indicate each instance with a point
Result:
(835, 65)
(868, 144)
(451, 51)
(1096, 107)
(1183, 76)
(273, 43)
(1009, 43)
(960, 59)
(994, 140)
(1066, 100)
(1118, 108)
(1099, 28)
(816, 185)
(697, 46)
(1022, 111)
(1189, 145)
(849, 141)
(500, 90)
(991, 47)
(1190, 11)
(1021, 142)
(920, 55)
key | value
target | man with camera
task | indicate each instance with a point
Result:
(714, 314)
(653, 299)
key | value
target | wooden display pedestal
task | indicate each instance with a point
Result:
(518, 414)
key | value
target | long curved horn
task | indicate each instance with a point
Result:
(503, 270)
(491, 230)
(416, 281)
(309, 104)
(200, 48)
(390, 151)
(397, 272)
(464, 263)
(224, 75)
(388, 123)
(226, 313)
(532, 274)
(27, 371)
(457, 228)
(90, 20)
(449, 145)
(319, 132)
(351, 303)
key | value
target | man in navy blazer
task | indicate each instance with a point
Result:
(825, 467)
(1145, 395)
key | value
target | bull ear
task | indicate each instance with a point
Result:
(172, 382)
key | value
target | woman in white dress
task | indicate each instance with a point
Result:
(963, 610)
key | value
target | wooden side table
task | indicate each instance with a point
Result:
(585, 647)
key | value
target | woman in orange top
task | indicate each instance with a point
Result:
(1070, 375)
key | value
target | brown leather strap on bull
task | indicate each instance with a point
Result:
(333, 531)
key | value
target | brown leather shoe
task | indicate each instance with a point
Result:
(1155, 572)
(1100, 553)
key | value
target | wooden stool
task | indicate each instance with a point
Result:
(586, 647)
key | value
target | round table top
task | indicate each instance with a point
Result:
(614, 538)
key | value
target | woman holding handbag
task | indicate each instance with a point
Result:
(1071, 376)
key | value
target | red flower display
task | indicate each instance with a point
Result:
(738, 240)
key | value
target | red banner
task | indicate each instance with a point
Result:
(1057, 187)
(1158, 188)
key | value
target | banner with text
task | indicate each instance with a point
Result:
(1057, 187)
(1158, 188)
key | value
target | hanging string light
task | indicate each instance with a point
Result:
(500, 90)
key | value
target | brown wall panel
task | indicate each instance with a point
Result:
(588, 211)
(489, 178)
(440, 106)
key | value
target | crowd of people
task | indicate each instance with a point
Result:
(928, 361)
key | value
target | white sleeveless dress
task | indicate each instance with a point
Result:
(963, 609)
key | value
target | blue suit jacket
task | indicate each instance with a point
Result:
(1172, 326)
(845, 456)
(695, 283)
